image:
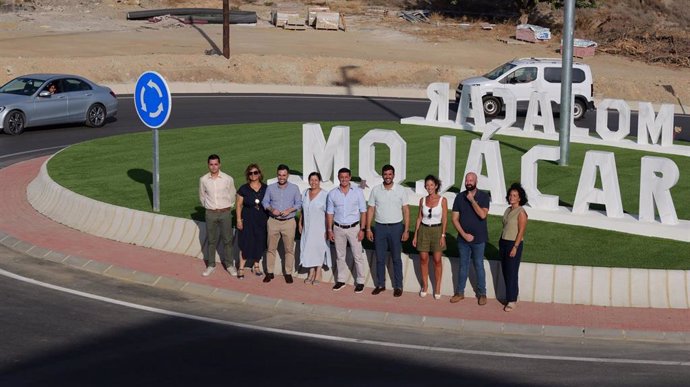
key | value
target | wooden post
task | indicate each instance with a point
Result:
(226, 29)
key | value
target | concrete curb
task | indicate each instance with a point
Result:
(355, 315)
(354, 91)
(546, 283)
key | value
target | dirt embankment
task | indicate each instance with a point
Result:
(378, 49)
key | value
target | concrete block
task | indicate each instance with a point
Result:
(261, 301)
(677, 337)
(96, 267)
(405, 319)
(367, 316)
(604, 333)
(229, 295)
(167, 234)
(620, 287)
(330, 312)
(294, 306)
(146, 228)
(658, 289)
(55, 256)
(492, 270)
(120, 273)
(443, 323)
(677, 298)
(107, 216)
(84, 209)
(10, 241)
(128, 222)
(116, 223)
(157, 230)
(523, 329)
(198, 289)
(563, 331)
(527, 281)
(134, 228)
(563, 284)
(479, 326)
(639, 288)
(195, 244)
(95, 218)
(543, 290)
(582, 285)
(645, 335)
(22, 246)
(170, 283)
(601, 286)
(38, 252)
(144, 278)
(75, 261)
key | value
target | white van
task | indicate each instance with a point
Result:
(526, 75)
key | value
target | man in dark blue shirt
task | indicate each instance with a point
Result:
(470, 209)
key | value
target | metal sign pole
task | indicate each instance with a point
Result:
(226, 29)
(566, 81)
(156, 174)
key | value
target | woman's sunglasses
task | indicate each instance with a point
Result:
(429, 213)
(254, 173)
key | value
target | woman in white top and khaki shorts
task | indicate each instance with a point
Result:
(430, 233)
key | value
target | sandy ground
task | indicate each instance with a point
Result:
(377, 50)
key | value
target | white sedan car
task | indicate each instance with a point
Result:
(49, 99)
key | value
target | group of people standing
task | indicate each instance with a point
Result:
(266, 214)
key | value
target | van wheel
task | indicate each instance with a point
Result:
(492, 106)
(579, 109)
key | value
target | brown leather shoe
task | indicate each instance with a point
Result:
(288, 278)
(378, 291)
(482, 300)
(397, 292)
(457, 297)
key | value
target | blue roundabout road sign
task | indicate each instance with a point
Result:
(152, 99)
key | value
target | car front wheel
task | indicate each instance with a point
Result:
(492, 106)
(95, 116)
(579, 109)
(14, 123)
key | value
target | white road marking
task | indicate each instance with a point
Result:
(33, 151)
(340, 338)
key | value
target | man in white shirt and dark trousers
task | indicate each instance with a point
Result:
(217, 195)
(346, 212)
(388, 207)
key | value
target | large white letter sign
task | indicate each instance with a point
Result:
(438, 108)
(529, 172)
(657, 189)
(494, 181)
(468, 96)
(657, 129)
(510, 104)
(367, 155)
(623, 119)
(539, 103)
(446, 166)
(610, 193)
(326, 158)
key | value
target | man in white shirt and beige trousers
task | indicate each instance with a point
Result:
(217, 195)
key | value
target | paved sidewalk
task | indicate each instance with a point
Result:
(24, 229)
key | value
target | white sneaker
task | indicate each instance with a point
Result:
(231, 269)
(422, 293)
(208, 271)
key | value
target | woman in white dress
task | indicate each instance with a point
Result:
(314, 249)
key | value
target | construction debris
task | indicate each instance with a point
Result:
(295, 22)
(311, 14)
(416, 16)
(532, 33)
(327, 20)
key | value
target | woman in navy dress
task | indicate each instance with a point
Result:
(251, 220)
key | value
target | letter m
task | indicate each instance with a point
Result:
(324, 157)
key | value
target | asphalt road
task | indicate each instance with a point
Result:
(53, 338)
(50, 337)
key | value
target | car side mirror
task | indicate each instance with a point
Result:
(44, 94)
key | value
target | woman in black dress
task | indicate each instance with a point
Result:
(251, 219)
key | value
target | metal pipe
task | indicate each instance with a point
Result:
(156, 174)
(566, 81)
(226, 29)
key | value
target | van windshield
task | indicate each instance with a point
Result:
(500, 70)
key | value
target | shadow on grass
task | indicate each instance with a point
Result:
(144, 177)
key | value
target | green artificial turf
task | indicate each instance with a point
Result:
(118, 169)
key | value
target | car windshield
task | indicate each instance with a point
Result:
(500, 70)
(22, 86)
